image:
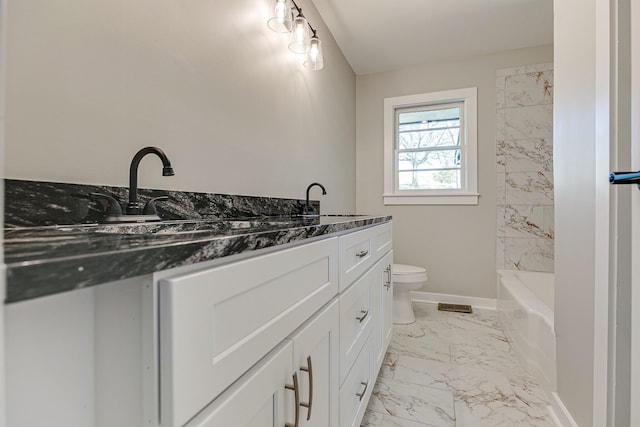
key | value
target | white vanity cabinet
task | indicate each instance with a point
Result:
(291, 338)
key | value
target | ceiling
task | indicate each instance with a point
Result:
(382, 35)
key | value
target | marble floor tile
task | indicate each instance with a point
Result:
(483, 357)
(454, 369)
(527, 390)
(461, 380)
(413, 402)
(388, 368)
(426, 313)
(419, 341)
(499, 413)
(480, 329)
(374, 419)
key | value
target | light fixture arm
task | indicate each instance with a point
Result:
(301, 41)
(296, 6)
(299, 10)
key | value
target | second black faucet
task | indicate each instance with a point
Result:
(308, 209)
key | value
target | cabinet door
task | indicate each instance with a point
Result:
(387, 305)
(258, 399)
(315, 357)
(382, 303)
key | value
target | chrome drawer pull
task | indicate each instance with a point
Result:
(296, 391)
(365, 313)
(362, 254)
(387, 283)
(364, 391)
(308, 369)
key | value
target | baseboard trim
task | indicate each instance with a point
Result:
(559, 412)
(486, 303)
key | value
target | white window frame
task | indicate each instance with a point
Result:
(468, 193)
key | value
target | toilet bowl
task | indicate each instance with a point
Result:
(406, 278)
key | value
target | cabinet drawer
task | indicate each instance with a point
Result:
(356, 390)
(381, 240)
(355, 321)
(360, 250)
(216, 323)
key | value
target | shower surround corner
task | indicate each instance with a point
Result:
(524, 168)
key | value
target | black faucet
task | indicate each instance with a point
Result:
(308, 209)
(133, 208)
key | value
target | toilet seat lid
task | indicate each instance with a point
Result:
(408, 274)
(401, 269)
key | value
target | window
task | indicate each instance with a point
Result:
(430, 148)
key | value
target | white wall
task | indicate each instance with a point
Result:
(455, 243)
(2, 270)
(89, 82)
(580, 172)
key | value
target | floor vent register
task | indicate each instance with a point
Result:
(458, 308)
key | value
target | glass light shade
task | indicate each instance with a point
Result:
(282, 19)
(314, 60)
(300, 37)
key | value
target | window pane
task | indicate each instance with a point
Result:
(439, 137)
(429, 180)
(429, 128)
(430, 115)
(433, 159)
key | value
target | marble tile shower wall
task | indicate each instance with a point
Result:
(524, 166)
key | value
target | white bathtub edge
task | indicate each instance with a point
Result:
(528, 325)
(560, 413)
(533, 302)
(430, 297)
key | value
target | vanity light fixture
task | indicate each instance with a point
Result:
(282, 20)
(314, 60)
(304, 39)
(300, 37)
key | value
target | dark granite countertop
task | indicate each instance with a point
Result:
(48, 260)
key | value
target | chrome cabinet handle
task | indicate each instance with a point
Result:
(365, 313)
(387, 283)
(364, 391)
(362, 254)
(296, 391)
(308, 369)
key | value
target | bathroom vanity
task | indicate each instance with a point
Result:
(245, 322)
(295, 337)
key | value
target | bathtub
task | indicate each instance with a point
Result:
(525, 309)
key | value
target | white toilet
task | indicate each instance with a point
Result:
(406, 278)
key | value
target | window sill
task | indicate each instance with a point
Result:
(431, 199)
